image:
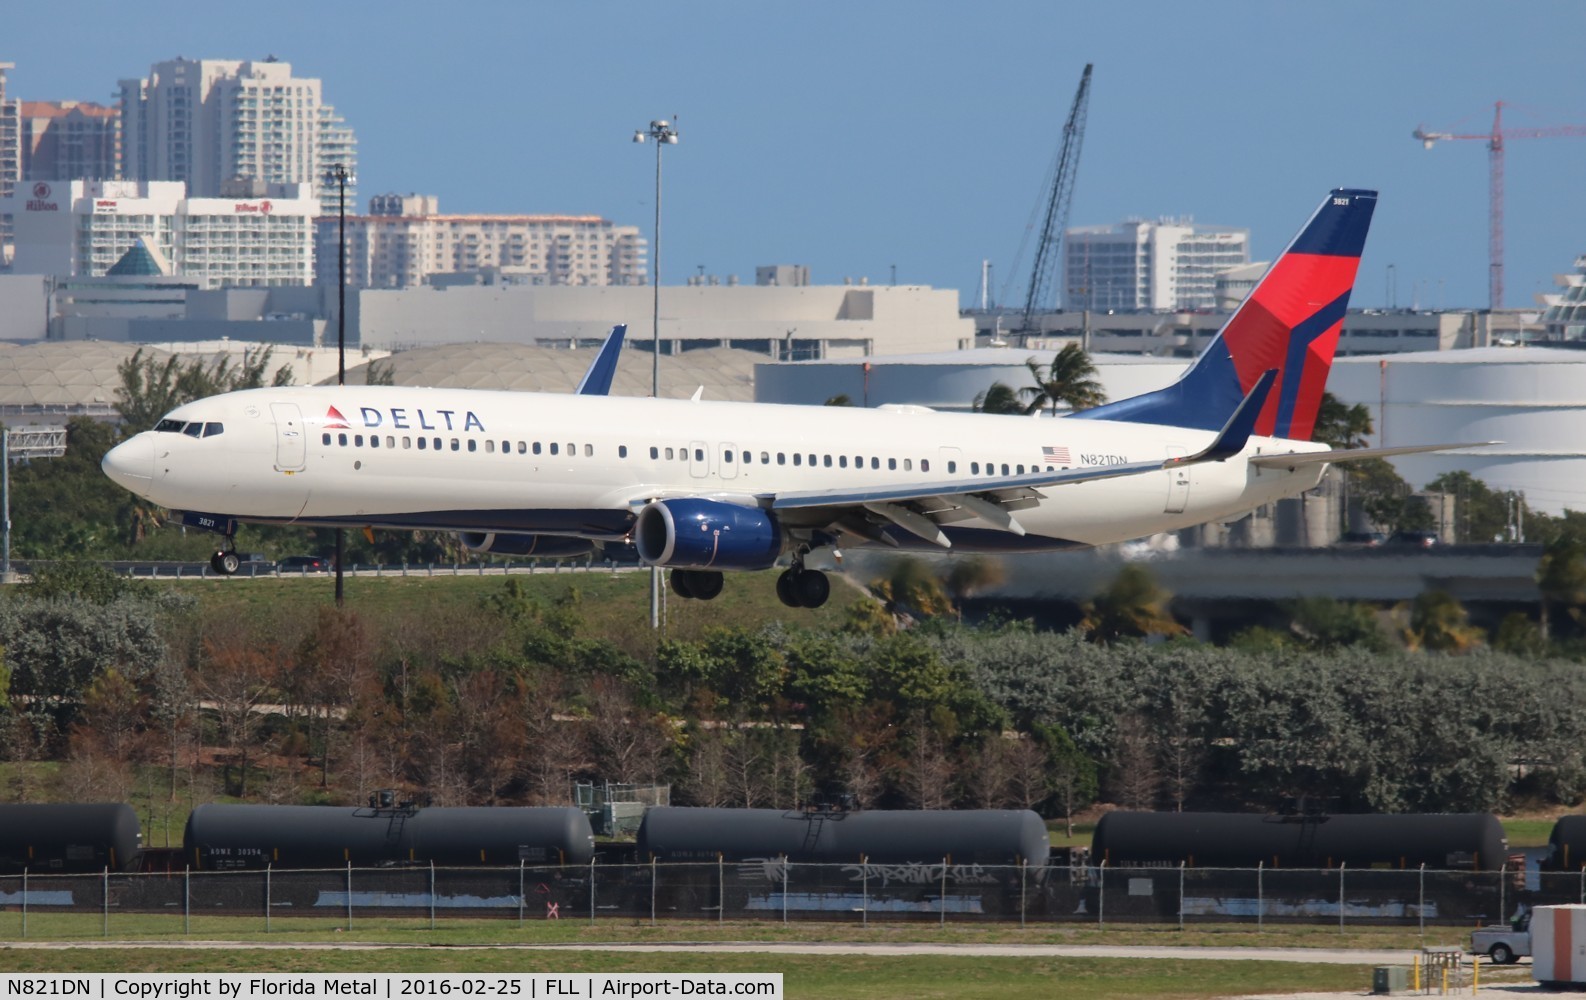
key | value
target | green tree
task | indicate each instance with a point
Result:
(1069, 381)
(151, 388)
(1340, 426)
(1481, 513)
(841, 399)
(1561, 577)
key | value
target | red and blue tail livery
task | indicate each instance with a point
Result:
(1290, 323)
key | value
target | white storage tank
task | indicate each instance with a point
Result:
(1532, 399)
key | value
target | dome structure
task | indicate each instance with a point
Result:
(64, 378)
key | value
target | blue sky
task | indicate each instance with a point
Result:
(855, 137)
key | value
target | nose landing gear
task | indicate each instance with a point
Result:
(225, 561)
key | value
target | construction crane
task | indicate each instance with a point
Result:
(1061, 194)
(1495, 140)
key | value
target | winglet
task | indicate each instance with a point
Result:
(1236, 432)
(597, 380)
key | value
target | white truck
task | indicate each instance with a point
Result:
(1504, 944)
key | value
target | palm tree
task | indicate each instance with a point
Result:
(1000, 398)
(1132, 606)
(1070, 380)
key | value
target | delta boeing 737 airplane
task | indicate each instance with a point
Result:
(700, 487)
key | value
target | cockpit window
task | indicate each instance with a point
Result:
(169, 425)
(212, 428)
(194, 429)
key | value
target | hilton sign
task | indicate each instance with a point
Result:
(40, 202)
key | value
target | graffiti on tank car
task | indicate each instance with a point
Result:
(778, 870)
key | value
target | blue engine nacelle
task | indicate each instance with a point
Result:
(691, 533)
(529, 546)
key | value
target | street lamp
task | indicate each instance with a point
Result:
(340, 176)
(664, 135)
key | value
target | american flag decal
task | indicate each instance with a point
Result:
(1054, 456)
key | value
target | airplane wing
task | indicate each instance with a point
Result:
(597, 380)
(995, 498)
(1297, 459)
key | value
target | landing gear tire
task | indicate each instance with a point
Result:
(225, 563)
(803, 588)
(699, 584)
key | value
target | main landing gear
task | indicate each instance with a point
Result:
(803, 588)
(699, 584)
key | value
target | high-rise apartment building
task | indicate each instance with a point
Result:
(10, 157)
(1142, 266)
(209, 121)
(405, 240)
(69, 140)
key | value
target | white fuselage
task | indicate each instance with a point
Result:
(583, 465)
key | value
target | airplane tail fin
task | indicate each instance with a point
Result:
(1290, 322)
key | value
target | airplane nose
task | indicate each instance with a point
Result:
(131, 463)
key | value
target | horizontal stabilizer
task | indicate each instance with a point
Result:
(1297, 459)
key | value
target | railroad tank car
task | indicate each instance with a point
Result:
(888, 837)
(1451, 841)
(64, 838)
(1566, 845)
(235, 836)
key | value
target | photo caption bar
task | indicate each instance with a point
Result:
(388, 986)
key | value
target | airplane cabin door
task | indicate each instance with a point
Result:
(1178, 482)
(698, 459)
(729, 461)
(291, 444)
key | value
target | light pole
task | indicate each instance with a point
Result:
(663, 134)
(340, 176)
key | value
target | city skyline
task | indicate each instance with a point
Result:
(918, 136)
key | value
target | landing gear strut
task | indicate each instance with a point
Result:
(699, 584)
(803, 588)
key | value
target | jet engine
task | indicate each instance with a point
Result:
(690, 533)
(530, 546)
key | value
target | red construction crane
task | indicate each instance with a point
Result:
(1494, 141)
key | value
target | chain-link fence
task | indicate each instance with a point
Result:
(774, 890)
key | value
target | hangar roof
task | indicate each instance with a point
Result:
(726, 373)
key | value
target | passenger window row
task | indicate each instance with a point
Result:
(657, 452)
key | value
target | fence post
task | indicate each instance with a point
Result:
(25, 901)
(521, 901)
(864, 890)
(944, 893)
(349, 895)
(1503, 878)
(1101, 897)
(652, 890)
(1341, 897)
(267, 897)
(1181, 895)
(1583, 883)
(1024, 869)
(1420, 903)
(591, 891)
(432, 891)
(1261, 901)
(187, 900)
(721, 887)
(105, 896)
(786, 864)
